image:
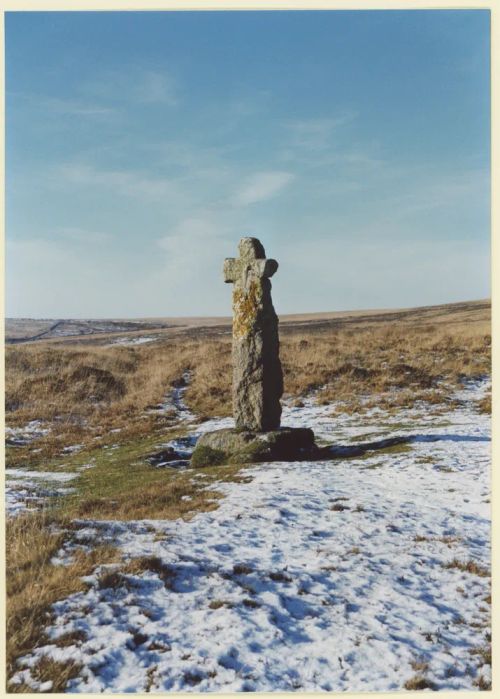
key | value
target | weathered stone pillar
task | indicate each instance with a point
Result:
(257, 373)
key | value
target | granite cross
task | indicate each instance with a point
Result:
(257, 374)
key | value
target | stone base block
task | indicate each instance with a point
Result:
(245, 446)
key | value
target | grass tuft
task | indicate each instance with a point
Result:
(418, 682)
(242, 569)
(72, 638)
(484, 652)
(153, 564)
(482, 684)
(207, 456)
(34, 583)
(59, 673)
(468, 567)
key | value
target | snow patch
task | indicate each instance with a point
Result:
(28, 490)
(20, 436)
(314, 576)
(174, 401)
(126, 341)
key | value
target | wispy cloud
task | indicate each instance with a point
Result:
(63, 106)
(316, 132)
(106, 97)
(262, 186)
(187, 236)
(249, 103)
(142, 86)
(122, 182)
(449, 192)
(76, 108)
(191, 270)
(156, 88)
(328, 142)
(73, 234)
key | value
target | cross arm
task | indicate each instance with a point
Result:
(267, 267)
(230, 269)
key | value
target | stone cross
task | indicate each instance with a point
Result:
(257, 374)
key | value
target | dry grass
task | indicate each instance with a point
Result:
(83, 392)
(86, 391)
(484, 653)
(72, 638)
(484, 405)
(48, 670)
(482, 684)
(152, 564)
(218, 603)
(120, 489)
(34, 583)
(468, 567)
(419, 665)
(387, 366)
(418, 682)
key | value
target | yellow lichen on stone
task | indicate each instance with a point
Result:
(245, 308)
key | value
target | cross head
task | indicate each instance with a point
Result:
(252, 260)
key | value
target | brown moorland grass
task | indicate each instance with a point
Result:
(116, 488)
(468, 567)
(418, 683)
(34, 583)
(83, 392)
(86, 391)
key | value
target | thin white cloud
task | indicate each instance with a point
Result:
(109, 94)
(159, 88)
(449, 192)
(76, 108)
(121, 182)
(190, 279)
(63, 106)
(249, 103)
(73, 234)
(316, 132)
(135, 85)
(262, 186)
(192, 229)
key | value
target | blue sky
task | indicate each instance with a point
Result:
(142, 145)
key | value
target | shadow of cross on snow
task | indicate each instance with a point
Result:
(178, 453)
(339, 451)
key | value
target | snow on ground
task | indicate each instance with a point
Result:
(21, 474)
(310, 576)
(73, 448)
(174, 401)
(20, 436)
(126, 341)
(27, 490)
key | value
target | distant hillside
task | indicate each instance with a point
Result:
(32, 330)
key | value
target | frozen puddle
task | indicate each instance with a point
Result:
(354, 574)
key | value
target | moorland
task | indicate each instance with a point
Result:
(99, 399)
